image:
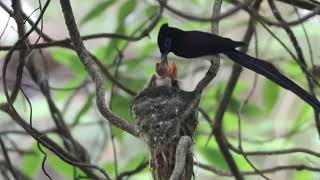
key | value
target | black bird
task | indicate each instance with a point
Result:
(192, 44)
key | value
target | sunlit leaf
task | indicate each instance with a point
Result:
(148, 71)
(60, 166)
(241, 162)
(291, 68)
(230, 121)
(109, 167)
(270, 94)
(298, 175)
(31, 163)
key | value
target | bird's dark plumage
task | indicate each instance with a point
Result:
(192, 44)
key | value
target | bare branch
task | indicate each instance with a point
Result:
(95, 74)
(181, 155)
(7, 158)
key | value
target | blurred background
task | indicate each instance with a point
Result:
(273, 119)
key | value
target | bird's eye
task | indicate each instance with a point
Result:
(167, 43)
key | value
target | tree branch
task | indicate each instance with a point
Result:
(93, 71)
(181, 155)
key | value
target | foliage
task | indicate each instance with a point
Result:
(273, 118)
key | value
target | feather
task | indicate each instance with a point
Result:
(270, 71)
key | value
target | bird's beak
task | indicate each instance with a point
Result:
(164, 56)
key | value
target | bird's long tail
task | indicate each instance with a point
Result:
(271, 72)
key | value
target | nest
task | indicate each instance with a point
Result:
(156, 111)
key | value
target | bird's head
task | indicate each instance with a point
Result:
(165, 40)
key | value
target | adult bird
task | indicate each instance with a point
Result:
(193, 44)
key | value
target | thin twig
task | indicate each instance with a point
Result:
(297, 167)
(7, 158)
(139, 168)
(44, 161)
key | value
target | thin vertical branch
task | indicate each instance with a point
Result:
(16, 6)
(218, 132)
(217, 126)
(118, 62)
(7, 158)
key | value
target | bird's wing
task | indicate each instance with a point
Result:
(196, 44)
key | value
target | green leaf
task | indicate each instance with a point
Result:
(133, 63)
(230, 122)
(126, 9)
(70, 59)
(85, 108)
(304, 116)
(148, 71)
(298, 175)
(248, 109)
(214, 157)
(109, 167)
(105, 52)
(31, 162)
(136, 84)
(118, 133)
(110, 52)
(149, 11)
(97, 10)
(234, 104)
(270, 94)
(121, 106)
(241, 162)
(60, 166)
(251, 110)
(195, 2)
(211, 153)
(148, 49)
(291, 68)
(145, 174)
(212, 95)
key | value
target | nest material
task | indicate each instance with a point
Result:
(156, 111)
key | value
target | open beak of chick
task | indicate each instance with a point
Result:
(164, 69)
